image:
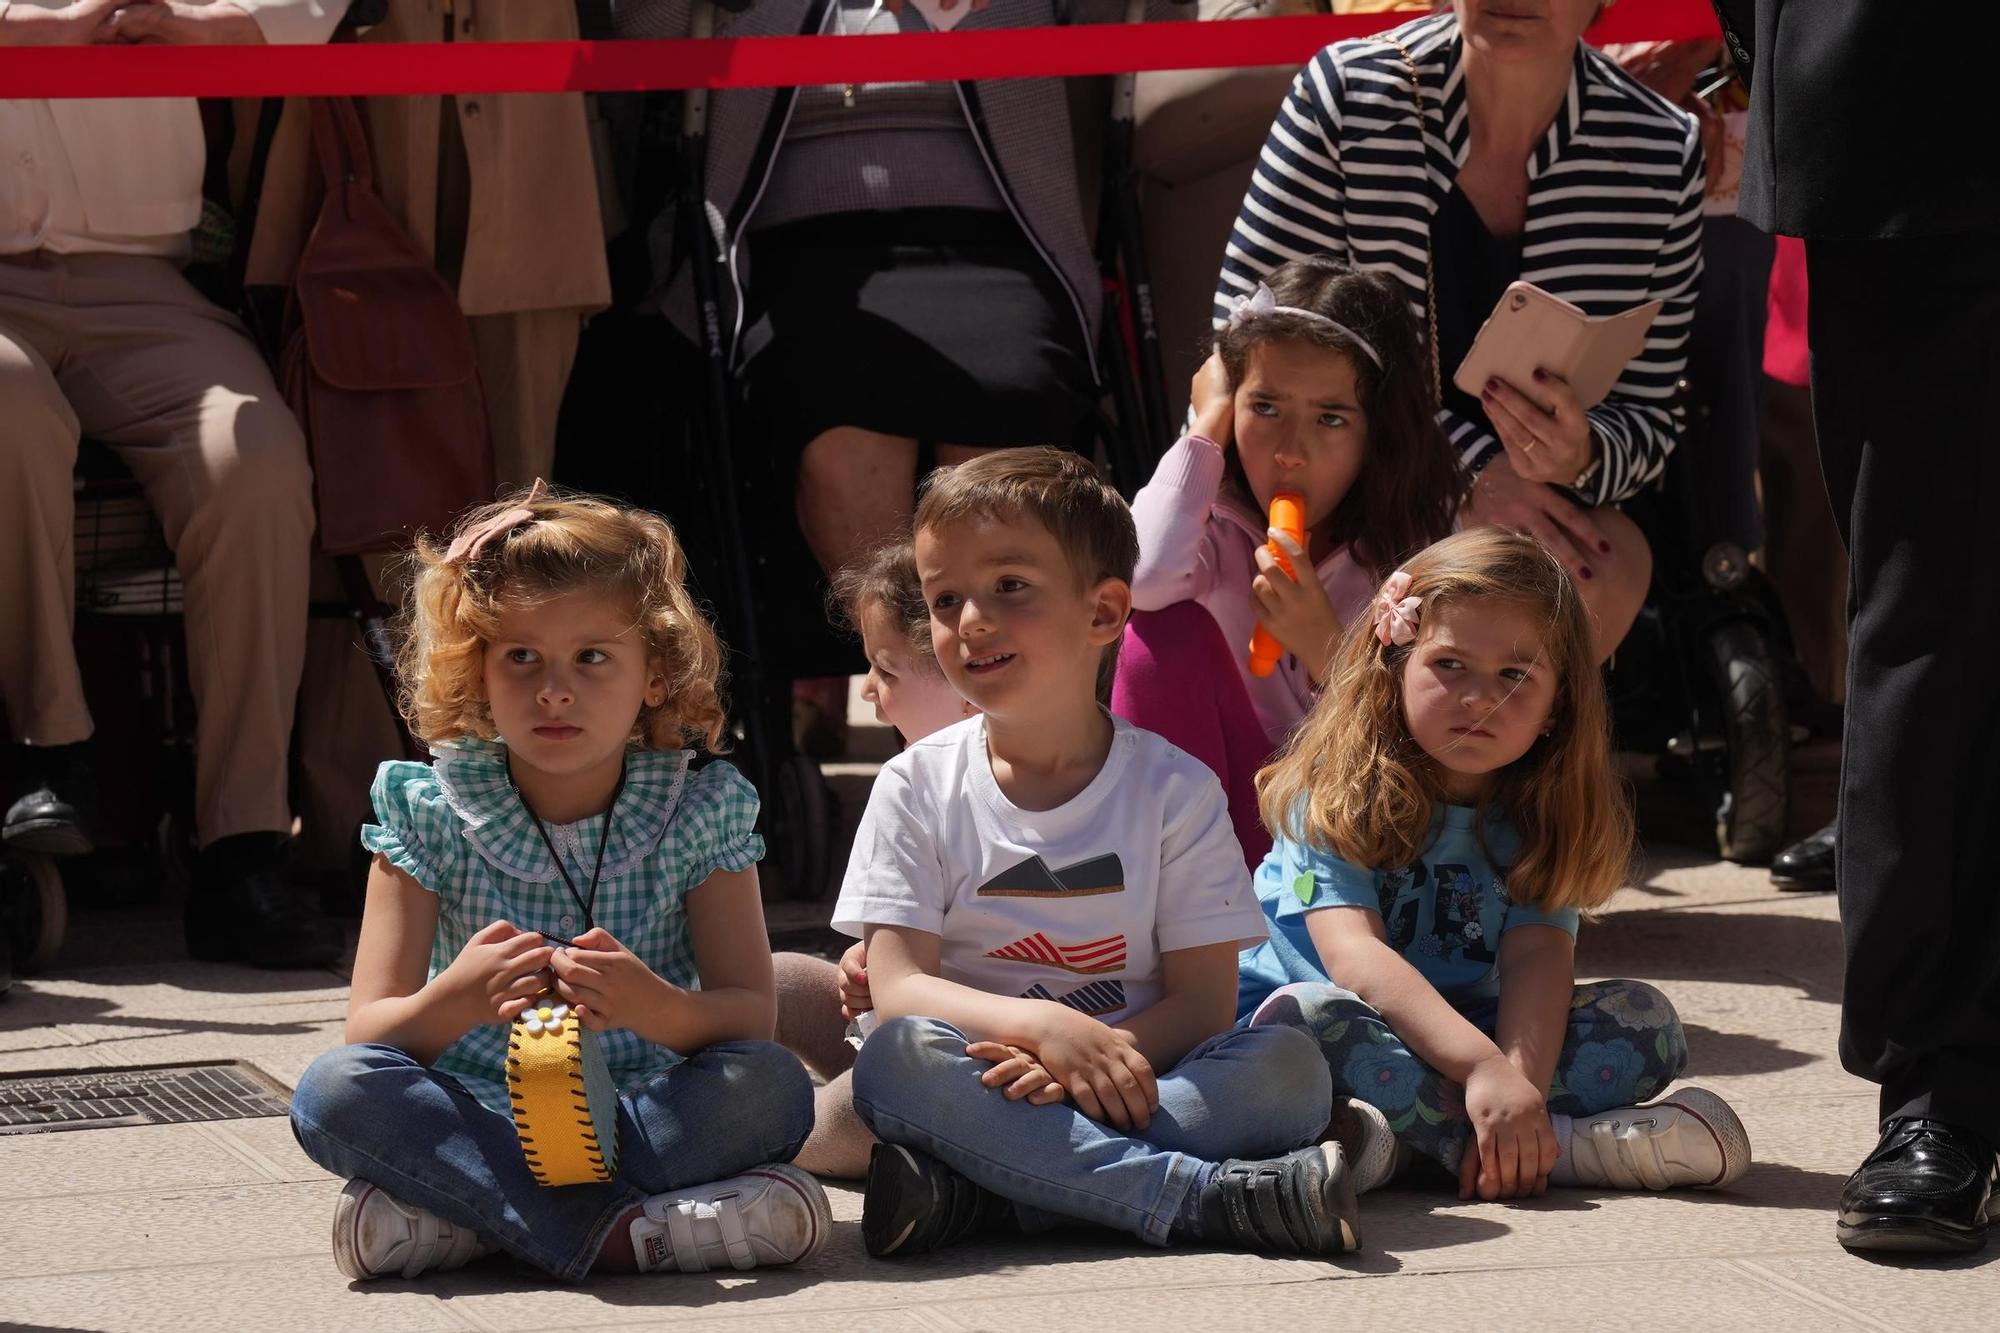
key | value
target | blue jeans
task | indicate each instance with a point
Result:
(374, 1113)
(1249, 1092)
(1623, 1044)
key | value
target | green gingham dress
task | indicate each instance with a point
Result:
(458, 827)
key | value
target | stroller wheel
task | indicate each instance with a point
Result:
(1745, 782)
(34, 910)
(802, 823)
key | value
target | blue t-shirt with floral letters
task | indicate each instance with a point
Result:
(1445, 912)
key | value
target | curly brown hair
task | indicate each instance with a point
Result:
(885, 576)
(1409, 489)
(1353, 780)
(568, 543)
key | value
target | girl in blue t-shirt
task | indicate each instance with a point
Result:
(559, 853)
(1442, 817)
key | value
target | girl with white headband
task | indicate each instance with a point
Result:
(1318, 384)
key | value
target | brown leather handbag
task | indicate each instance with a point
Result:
(377, 362)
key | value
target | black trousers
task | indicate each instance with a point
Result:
(1906, 378)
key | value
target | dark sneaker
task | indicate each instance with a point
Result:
(243, 908)
(1301, 1203)
(916, 1204)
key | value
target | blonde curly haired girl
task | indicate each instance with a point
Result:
(560, 850)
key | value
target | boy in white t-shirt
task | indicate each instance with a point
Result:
(1053, 900)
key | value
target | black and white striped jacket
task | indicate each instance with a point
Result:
(1614, 212)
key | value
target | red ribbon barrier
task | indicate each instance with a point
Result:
(428, 68)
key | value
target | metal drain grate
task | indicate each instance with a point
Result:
(149, 1095)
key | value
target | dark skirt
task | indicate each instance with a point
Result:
(939, 325)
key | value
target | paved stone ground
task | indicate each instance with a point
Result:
(224, 1225)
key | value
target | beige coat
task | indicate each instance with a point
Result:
(532, 269)
(535, 238)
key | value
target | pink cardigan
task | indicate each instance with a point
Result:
(1197, 541)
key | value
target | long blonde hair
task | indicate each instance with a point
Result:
(1353, 780)
(567, 543)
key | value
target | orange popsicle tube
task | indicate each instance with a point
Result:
(1288, 515)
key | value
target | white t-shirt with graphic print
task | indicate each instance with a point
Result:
(1074, 904)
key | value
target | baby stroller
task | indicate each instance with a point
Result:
(760, 583)
(1703, 678)
(766, 589)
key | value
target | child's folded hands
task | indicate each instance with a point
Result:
(1514, 1145)
(607, 983)
(496, 975)
(1017, 1072)
(1100, 1069)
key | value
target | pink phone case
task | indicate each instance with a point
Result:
(1530, 328)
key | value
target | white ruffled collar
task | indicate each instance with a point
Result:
(472, 775)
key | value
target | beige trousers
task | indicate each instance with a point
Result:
(120, 348)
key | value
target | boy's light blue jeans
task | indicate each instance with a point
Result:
(374, 1113)
(1249, 1092)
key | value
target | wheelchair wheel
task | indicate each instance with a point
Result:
(1745, 781)
(34, 910)
(801, 829)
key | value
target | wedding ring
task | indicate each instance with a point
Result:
(1530, 445)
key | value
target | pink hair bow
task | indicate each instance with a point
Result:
(471, 543)
(1396, 611)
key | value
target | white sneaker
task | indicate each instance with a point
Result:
(1364, 1135)
(1690, 1138)
(769, 1215)
(375, 1236)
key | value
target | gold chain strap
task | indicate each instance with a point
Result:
(1430, 268)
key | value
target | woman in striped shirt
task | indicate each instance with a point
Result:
(1536, 158)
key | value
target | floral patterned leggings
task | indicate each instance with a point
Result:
(1624, 1044)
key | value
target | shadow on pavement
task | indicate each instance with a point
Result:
(1712, 1052)
(28, 1007)
(1756, 948)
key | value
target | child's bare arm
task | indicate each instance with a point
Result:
(1199, 1000)
(493, 978)
(1513, 1145)
(1096, 1065)
(732, 956)
(736, 1001)
(1537, 979)
(903, 980)
(1353, 945)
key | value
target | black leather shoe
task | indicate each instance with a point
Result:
(1807, 865)
(1301, 1203)
(243, 908)
(1927, 1186)
(52, 815)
